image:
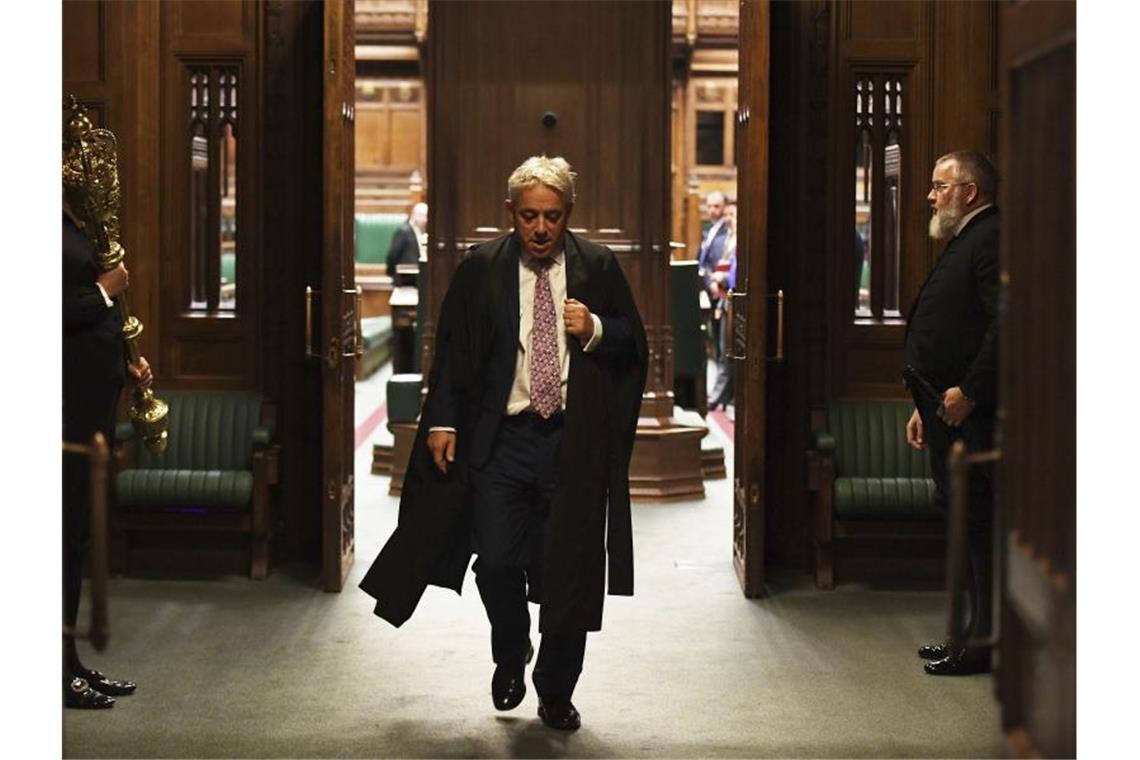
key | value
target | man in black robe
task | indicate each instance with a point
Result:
(951, 349)
(94, 370)
(522, 453)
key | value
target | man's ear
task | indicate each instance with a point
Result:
(972, 195)
(510, 207)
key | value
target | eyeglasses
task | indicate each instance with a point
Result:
(938, 187)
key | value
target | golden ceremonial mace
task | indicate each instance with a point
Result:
(91, 182)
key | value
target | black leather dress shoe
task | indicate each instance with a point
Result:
(964, 662)
(108, 686)
(560, 714)
(80, 696)
(508, 684)
(933, 651)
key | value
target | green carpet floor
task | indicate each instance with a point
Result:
(687, 667)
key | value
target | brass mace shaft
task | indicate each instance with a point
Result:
(91, 182)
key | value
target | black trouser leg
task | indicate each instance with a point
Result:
(503, 591)
(82, 419)
(559, 664)
(978, 435)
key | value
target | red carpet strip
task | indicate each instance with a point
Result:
(365, 428)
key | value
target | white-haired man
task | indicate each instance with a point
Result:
(950, 364)
(524, 444)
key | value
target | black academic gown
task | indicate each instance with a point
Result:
(589, 516)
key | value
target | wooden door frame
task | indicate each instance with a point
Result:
(337, 304)
(752, 254)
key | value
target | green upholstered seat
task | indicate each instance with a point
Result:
(374, 236)
(877, 475)
(219, 464)
(377, 331)
(867, 481)
(208, 461)
(204, 489)
(885, 498)
(229, 267)
(404, 397)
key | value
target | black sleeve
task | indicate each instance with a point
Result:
(618, 327)
(980, 382)
(441, 408)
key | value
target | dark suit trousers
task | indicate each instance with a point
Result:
(978, 433)
(512, 495)
(83, 417)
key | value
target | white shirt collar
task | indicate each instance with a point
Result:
(966, 219)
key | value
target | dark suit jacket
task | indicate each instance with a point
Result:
(951, 336)
(404, 249)
(94, 363)
(709, 255)
(471, 376)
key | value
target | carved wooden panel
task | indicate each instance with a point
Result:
(216, 24)
(84, 42)
(884, 20)
(1037, 497)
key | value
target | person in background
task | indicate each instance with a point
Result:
(723, 279)
(407, 242)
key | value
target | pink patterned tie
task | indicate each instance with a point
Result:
(545, 370)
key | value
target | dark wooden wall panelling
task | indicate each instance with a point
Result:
(605, 76)
(123, 60)
(948, 51)
(209, 350)
(1037, 476)
(109, 56)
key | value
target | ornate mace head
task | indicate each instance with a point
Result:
(91, 180)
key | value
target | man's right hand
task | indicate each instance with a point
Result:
(115, 281)
(914, 437)
(441, 444)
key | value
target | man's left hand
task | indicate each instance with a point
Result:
(577, 319)
(140, 373)
(955, 407)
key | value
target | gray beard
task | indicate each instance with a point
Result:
(944, 222)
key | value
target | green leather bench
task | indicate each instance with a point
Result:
(215, 474)
(865, 480)
(374, 236)
(377, 332)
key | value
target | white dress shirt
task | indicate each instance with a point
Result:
(519, 398)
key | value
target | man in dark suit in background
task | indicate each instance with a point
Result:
(94, 370)
(523, 448)
(951, 343)
(405, 245)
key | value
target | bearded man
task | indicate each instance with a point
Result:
(522, 453)
(951, 348)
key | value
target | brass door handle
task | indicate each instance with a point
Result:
(779, 325)
(359, 301)
(958, 467)
(730, 315)
(356, 347)
(309, 324)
